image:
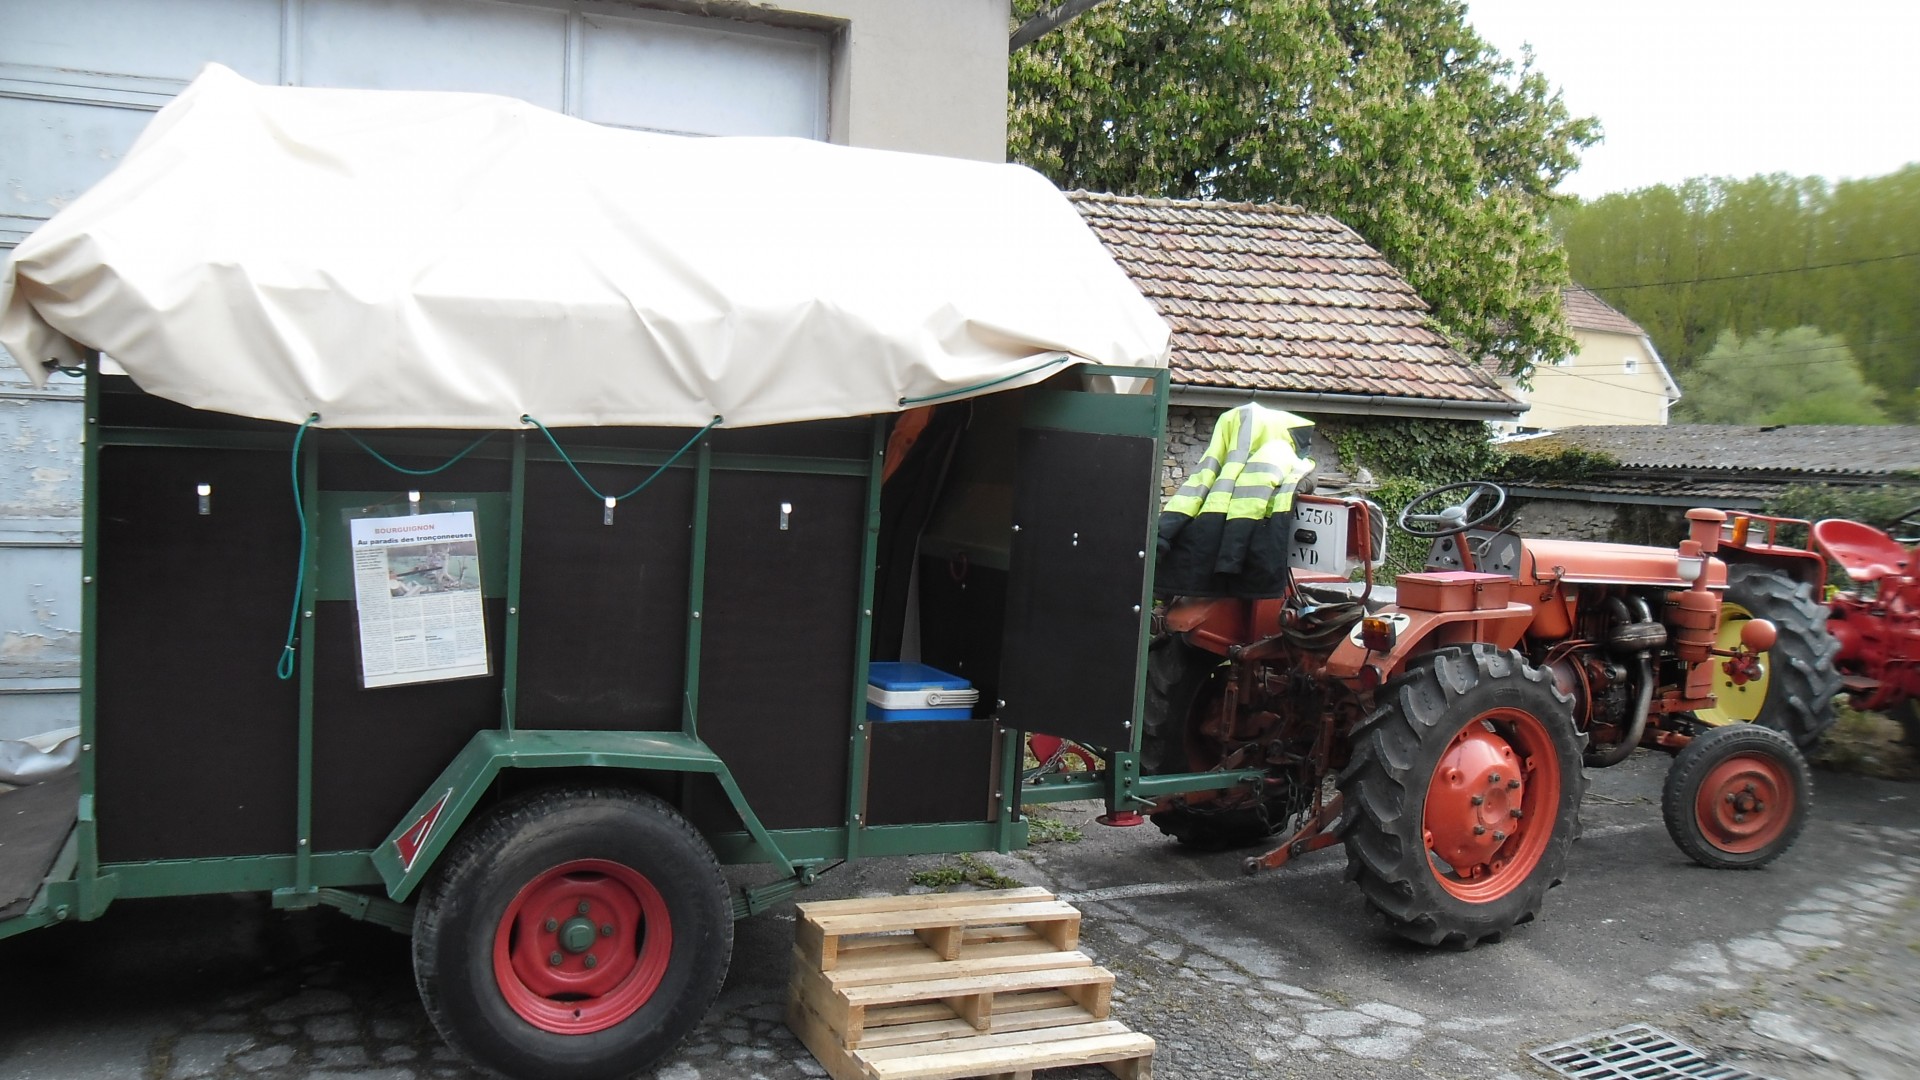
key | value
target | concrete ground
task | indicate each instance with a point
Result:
(1810, 968)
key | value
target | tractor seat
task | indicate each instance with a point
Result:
(1346, 592)
(1864, 552)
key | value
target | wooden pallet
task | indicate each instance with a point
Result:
(938, 987)
(824, 930)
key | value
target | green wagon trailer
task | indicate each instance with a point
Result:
(518, 683)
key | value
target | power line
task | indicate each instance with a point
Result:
(1754, 273)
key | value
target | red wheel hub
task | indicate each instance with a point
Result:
(1491, 805)
(582, 947)
(1744, 803)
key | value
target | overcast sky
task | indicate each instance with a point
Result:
(1725, 87)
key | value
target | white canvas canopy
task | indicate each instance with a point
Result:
(393, 259)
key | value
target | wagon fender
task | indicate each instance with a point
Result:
(409, 851)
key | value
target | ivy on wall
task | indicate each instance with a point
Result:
(1570, 463)
(1406, 457)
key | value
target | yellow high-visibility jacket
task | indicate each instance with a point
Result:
(1224, 531)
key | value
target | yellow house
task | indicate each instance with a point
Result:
(1614, 376)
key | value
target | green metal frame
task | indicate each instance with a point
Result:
(304, 878)
(472, 772)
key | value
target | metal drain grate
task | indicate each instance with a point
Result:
(1634, 1052)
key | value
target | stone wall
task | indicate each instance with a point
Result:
(1619, 523)
(1556, 519)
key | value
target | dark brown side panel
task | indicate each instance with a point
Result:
(963, 614)
(604, 607)
(375, 751)
(778, 640)
(930, 770)
(1076, 569)
(196, 735)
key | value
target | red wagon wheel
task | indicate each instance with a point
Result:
(582, 947)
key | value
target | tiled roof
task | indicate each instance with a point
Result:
(1272, 298)
(1586, 311)
(1864, 453)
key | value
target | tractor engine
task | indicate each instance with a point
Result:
(1610, 666)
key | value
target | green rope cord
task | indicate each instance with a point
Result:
(637, 488)
(442, 467)
(288, 655)
(1058, 359)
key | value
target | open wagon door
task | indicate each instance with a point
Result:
(1079, 566)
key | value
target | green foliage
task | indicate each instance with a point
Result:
(962, 870)
(1407, 457)
(1718, 241)
(1797, 376)
(1049, 830)
(1433, 451)
(1876, 506)
(1565, 463)
(1390, 115)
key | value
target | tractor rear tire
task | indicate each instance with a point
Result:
(1471, 754)
(574, 933)
(1737, 797)
(1796, 695)
(1180, 680)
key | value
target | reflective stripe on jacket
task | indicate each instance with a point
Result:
(1215, 527)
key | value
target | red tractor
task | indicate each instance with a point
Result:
(1875, 624)
(1439, 728)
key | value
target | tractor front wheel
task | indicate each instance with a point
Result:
(1795, 688)
(574, 933)
(1737, 797)
(1463, 796)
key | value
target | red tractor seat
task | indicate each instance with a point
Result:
(1864, 552)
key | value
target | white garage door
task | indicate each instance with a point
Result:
(80, 78)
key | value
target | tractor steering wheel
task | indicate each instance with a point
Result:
(1905, 527)
(1450, 518)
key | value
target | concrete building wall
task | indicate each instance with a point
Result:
(928, 76)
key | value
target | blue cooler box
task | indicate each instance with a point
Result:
(905, 691)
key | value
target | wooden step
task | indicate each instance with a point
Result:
(1013, 1054)
(938, 987)
(831, 931)
(855, 1002)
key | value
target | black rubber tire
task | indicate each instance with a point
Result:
(1177, 675)
(464, 899)
(1697, 761)
(1802, 681)
(1395, 755)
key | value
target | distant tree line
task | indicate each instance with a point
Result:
(1770, 253)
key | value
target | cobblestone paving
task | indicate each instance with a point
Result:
(1803, 971)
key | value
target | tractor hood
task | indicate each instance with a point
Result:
(1582, 562)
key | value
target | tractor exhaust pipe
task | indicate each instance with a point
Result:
(1635, 635)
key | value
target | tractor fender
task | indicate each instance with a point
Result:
(1808, 567)
(1419, 632)
(408, 853)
